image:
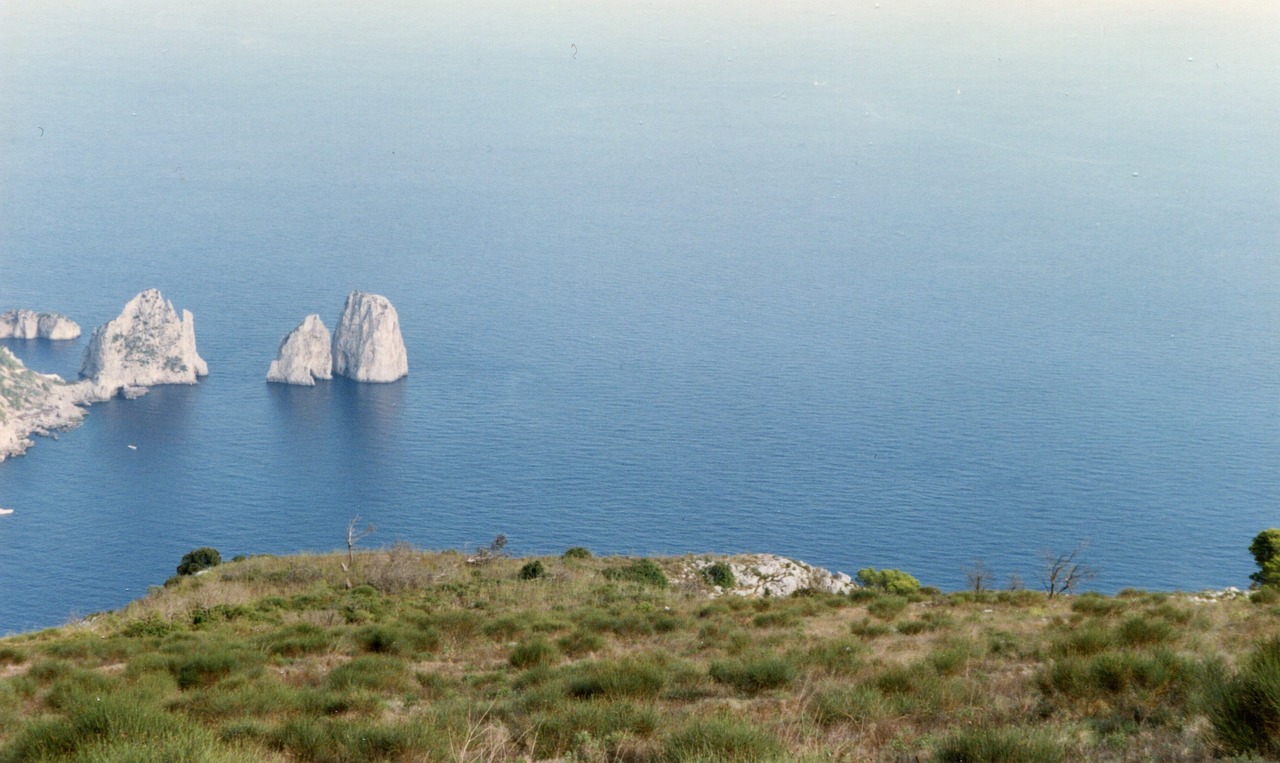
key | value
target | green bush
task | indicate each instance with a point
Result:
(536, 651)
(727, 740)
(848, 704)
(893, 581)
(563, 727)
(1246, 710)
(532, 570)
(1266, 552)
(887, 607)
(580, 642)
(577, 552)
(1143, 631)
(1005, 745)
(199, 559)
(754, 674)
(643, 571)
(297, 640)
(1265, 596)
(719, 574)
(375, 672)
(643, 676)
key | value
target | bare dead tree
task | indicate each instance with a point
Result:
(355, 533)
(1063, 573)
(494, 550)
(979, 577)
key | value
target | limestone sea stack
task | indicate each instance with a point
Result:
(147, 344)
(367, 345)
(28, 324)
(304, 355)
(34, 403)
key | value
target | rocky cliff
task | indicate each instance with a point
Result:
(147, 344)
(28, 324)
(304, 355)
(775, 576)
(367, 345)
(34, 403)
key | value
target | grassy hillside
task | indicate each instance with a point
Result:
(429, 658)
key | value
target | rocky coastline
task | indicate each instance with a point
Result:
(151, 343)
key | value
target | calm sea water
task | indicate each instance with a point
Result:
(900, 284)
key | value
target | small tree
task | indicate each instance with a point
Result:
(1063, 573)
(979, 577)
(199, 559)
(1266, 552)
(893, 581)
(355, 533)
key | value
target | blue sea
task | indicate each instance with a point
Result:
(905, 284)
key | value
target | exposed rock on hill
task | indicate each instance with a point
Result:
(367, 345)
(34, 403)
(304, 355)
(771, 575)
(147, 344)
(28, 324)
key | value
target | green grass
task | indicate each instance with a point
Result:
(428, 658)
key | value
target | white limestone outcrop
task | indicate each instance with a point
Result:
(33, 403)
(367, 345)
(147, 344)
(772, 575)
(28, 324)
(304, 355)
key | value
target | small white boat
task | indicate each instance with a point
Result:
(5, 511)
(133, 447)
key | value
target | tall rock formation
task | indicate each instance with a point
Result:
(34, 403)
(147, 344)
(304, 355)
(367, 345)
(28, 324)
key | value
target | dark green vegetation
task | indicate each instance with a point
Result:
(1266, 552)
(429, 658)
(199, 559)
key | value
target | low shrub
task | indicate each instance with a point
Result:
(867, 629)
(834, 705)
(887, 607)
(151, 625)
(752, 675)
(728, 740)
(719, 574)
(1144, 631)
(374, 672)
(297, 640)
(209, 665)
(562, 728)
(837, 657)
(534, 652)
(1245, 711)
(1003, 745)
(643, 571)
(1096, 605)
(395, 639)
(580, 642)
(532, 570)
(641, 676)
(893, 581)
(577, 552)
(1083, 641)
